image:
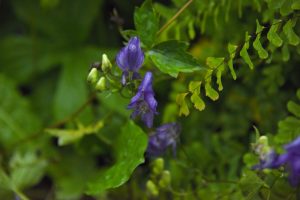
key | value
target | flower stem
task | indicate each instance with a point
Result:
(165, 26)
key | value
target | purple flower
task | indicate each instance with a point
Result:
(130, 59)
(144, 103)
(164, 136)
(290, 159)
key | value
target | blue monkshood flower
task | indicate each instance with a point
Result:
(164, 137)
(290, 159)
(130, 59)
(144, 103)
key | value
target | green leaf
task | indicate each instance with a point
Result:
(262, 53)
(197, 101)
(296, 5)
(286, 8)
(250, 184)
(290, 34)
(146, 23)
(232, 51)
(180, 100)
(219, 76)
(56, 23)
(171, 57)
(259, 28)
(27, 169)
(244, 53)
(67, 136)
(17, 120)
(214, 62)
(130, 147)
(72, 91)
(210, 92)
(194, 87)
(275, 4)
(272, 35)
(294, 108)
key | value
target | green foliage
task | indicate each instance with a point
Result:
(244, 52)
(273, 36)
(250, 185)
(171, 57)
(146, 23)
(46, 49)
(131, 146)
(290, 34)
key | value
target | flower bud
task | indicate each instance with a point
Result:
(165, 179)
(158, 166)
(106, 64)
(101, 84)
(93, 76)
(263, 140)
(152, 188)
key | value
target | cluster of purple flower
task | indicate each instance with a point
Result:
(144, 105)
(290, 159)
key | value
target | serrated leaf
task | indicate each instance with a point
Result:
(183, 108)
(194, 87)
(130, 146)
(171, 57)
(67, 136)
(26, 169)
(210, 92)
(244, 52)
(232, 51)
(290, 34)
(219, 76)
(262, 53)
(273, 36)
(294, 108)
(197, 101)
(146, 23)
(214, 62)
(250, 184)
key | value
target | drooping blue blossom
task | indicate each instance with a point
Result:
(130, 59)
(143, 103)
(290, 159)
(165, 136)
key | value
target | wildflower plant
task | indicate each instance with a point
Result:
(199, 72)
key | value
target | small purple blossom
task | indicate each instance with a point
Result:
(164, 136)
(290, 159)
(144, 103)
(130, 59)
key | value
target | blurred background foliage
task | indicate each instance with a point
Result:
(47, 48)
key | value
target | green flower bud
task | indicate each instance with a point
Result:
(106, 64)
(165, 179)
(263, 140)
(93, 76)
(152, 188)
(158, 166)
(101, 84)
